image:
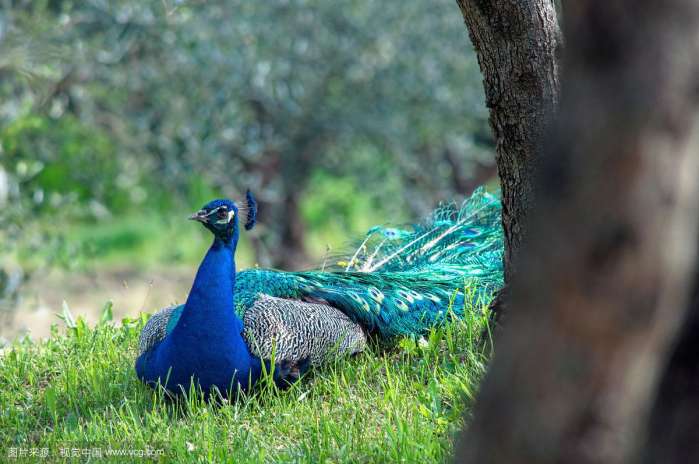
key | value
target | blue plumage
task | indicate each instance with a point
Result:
(205, 345)
(251, 207)
(400, 281)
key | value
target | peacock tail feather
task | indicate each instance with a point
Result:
(469, 236)
(401, 281)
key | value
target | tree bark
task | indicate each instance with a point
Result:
(673, 435)
(603, 280)
(516, 42)
(292, 253)
(283, 175)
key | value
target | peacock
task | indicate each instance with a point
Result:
(400, 281)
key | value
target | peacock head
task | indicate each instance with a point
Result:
(221, 216)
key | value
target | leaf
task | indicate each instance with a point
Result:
(67, 317)
(106, 315)
(408, 345)
(422, 409)
(80, 327)
(51, 400)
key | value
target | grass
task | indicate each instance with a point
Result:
(78, 391)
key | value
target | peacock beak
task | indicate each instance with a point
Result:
(201, 216)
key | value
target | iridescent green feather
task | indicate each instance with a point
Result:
(402, 281)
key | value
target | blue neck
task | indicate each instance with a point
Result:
(211, 300)
(207, 342)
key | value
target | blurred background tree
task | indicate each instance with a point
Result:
(117, 117)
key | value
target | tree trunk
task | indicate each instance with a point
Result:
(601, 287)
(516, 43)
(673, 436)
(283, 175)
(292, 253)
(295, 170)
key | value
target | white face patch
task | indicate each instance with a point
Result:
(227, 219)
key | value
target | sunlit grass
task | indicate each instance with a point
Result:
(399, 404)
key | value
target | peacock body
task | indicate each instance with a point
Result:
(400, 281)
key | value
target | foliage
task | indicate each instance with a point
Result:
(336, 210)
(230, 94)
(401, 404)
(117, 118)
(60, 161)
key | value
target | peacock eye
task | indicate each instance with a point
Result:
(222, 213)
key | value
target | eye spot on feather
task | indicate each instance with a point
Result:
(433, 298)
(415, 295)
(401, 305)
(406, 295)
(391, 233)
(364, 303)
(470, 232)
(356, 297)
(376, 294)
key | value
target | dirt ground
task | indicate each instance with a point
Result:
(131, 291)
